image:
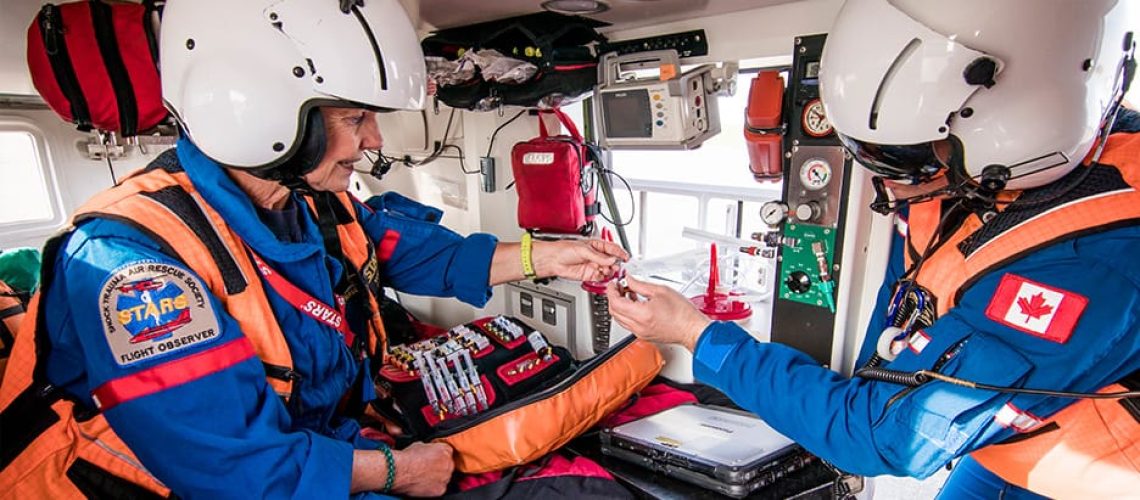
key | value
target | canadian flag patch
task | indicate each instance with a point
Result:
(1037, 309)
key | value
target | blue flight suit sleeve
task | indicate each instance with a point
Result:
(424, 258)
(398, 204)
(206, 422)
(872, 428)
(895, 270)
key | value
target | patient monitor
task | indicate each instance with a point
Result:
(643, 101)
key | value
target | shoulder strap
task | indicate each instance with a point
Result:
(571, 129)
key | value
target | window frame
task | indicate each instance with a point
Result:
(24, 230)
(705, 193)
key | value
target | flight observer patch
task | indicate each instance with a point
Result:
(151, 309)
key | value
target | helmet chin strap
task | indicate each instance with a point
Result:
(974, 195)
(885, 203)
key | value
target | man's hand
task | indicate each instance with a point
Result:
(423, 469)
(660, 315)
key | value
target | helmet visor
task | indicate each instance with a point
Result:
(913, 163)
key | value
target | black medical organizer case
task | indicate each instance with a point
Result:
(498, 367)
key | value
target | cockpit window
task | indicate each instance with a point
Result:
(24, 192)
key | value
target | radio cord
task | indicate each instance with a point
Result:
(920, 377)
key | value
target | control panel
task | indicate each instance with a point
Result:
(808, 221)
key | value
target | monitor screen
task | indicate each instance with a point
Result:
(626, 114)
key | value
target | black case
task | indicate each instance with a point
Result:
(559, 45)
(409, 403)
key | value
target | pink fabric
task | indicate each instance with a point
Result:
(559, 465)
(377, 435)
(654, 398)
(472, 481)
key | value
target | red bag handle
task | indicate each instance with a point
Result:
(566, 122)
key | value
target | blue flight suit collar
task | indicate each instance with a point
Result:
(235, 207)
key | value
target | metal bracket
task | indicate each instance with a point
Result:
(102, 146)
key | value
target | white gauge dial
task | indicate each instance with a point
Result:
(815, 174)
(815, 122)
(773, 213)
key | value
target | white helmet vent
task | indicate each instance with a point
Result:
(375, 47)
(888, 78)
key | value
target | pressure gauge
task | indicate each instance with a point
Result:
(815, 121)
(815, 174)
(773, 213)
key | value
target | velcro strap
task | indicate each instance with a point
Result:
(28, 416)
(593, 209)
(1131, 405)
(11, 311)
(95, 482)
(183, 205)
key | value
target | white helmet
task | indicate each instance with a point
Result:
(1021, 87)
(245, 78)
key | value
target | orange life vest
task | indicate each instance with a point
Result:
(1090, 449)
(53, 447)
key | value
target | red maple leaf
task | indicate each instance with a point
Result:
(1035, 307)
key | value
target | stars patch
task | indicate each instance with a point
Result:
(1037, 309)
(151, 309)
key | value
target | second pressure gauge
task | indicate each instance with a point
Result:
(815, 174)
(773, 213)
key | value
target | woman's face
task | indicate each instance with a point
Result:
(349, 132)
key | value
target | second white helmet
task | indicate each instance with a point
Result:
(1022, 86)
(242, 76)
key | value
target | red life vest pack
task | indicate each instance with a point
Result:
(555, 193)
(763, 126)
(95, 64)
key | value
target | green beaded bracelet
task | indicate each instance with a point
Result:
(391, 467)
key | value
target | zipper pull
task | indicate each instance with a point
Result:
(946, 356)
(294, 391)
(286, 373)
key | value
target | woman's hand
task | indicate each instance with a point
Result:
(423, 469)
(579, 260)
(656, 313)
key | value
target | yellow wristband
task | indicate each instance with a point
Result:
(526, 245)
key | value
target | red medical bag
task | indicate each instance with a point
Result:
(763, 128)
(94, 63)
(556, 193)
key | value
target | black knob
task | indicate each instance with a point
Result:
(981, 71)
(798, 281)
